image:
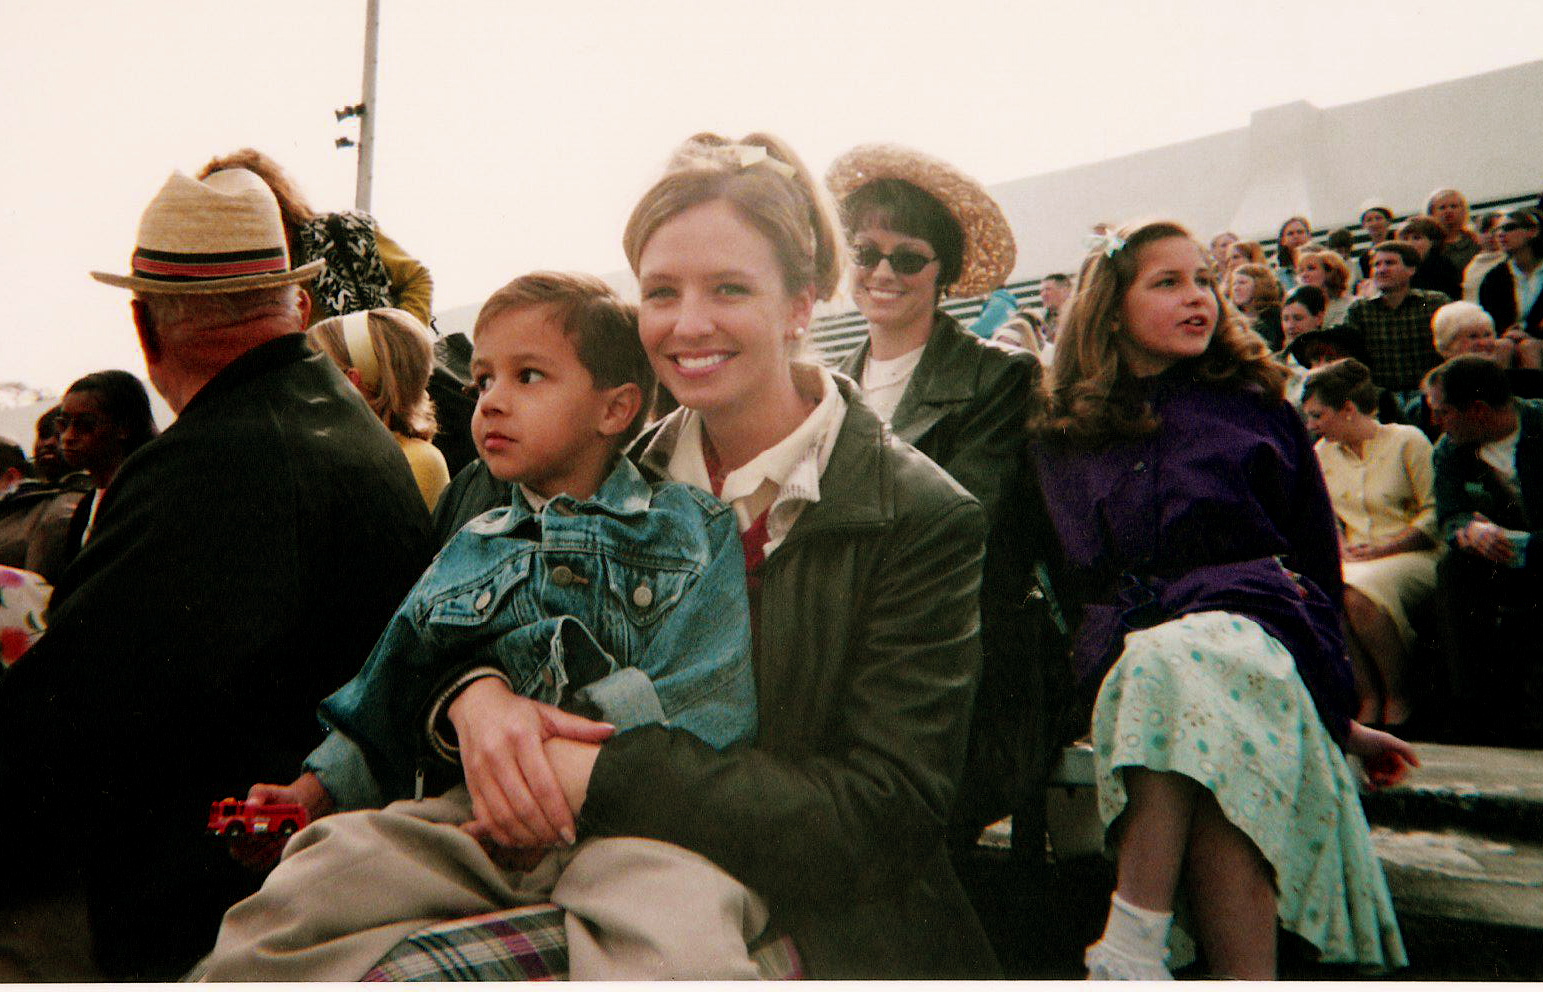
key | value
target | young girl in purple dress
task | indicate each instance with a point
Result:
(1203, 551)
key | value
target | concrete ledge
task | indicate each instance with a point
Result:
(1459, 875)
(1496, 791)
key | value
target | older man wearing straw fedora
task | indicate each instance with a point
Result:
(239, 570)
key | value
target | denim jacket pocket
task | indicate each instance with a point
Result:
(646, 592)
(535, 658)
(472, 603)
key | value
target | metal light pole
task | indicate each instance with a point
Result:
(367, 108)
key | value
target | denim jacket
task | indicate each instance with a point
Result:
(629, 607)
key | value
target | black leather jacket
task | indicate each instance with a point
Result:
(966, 408)
(867, 655)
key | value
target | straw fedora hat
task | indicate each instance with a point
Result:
(223, 234)
(989, 249)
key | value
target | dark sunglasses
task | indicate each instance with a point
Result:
(1512, 225)
(902, 260)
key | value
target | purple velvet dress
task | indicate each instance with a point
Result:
(1222, 508)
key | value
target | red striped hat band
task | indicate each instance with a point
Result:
(170, 266)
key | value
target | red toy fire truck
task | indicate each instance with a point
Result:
(236, 818)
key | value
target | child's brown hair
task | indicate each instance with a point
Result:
(602, 326)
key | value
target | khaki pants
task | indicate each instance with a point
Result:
(352, 886)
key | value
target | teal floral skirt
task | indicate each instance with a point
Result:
(1213, 697)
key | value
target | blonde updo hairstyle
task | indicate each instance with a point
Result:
(404, 359)
(1093, 395)
(794, 213)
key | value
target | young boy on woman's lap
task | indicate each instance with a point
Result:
(595, 592)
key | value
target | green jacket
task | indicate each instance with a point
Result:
(867, 654)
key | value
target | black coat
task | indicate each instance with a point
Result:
(1438, 273)
(1497, 295)
(240, 569)
(966, 408)
(35, 525)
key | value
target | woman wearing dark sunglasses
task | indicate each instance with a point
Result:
(921, 231)
(1508, 292)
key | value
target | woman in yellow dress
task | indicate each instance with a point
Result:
(1380, 482)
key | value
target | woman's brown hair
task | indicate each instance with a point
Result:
(1336, 273)
(292, 202)
(1266, 285)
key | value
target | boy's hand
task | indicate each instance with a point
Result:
(516, 796)
(306, 791)
(260, 852)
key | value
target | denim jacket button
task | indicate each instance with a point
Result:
(483, 599)
(642, 597)
(563, 575)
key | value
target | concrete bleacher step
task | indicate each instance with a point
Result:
(1458, 874)
(1481, 789)
(1461, 843)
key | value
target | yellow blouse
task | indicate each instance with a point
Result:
(1389, 487)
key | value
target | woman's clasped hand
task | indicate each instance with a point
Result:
(518, 792)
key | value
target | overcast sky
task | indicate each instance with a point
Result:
(517, 135)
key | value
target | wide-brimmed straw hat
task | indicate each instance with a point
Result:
(223, 234)
(989, 249)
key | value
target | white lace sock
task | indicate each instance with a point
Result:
(1134, 945)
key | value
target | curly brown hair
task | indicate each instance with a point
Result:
(1267, 291)
(1336, 274)
(1092, 395)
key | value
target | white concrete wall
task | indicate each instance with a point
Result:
(1482, 134)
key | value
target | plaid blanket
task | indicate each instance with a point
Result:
(520, 945)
